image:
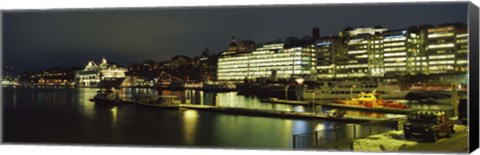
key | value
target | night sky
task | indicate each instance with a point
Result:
(37, 40)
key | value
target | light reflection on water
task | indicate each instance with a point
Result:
(84, 96)
(67, 115)
(190, 118)
(232, 99)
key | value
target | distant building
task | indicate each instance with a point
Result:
(316, 33)
(101, 75)
(8, 77)
(208, 65)
(53, 77)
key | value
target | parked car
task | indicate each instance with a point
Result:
(428, 125)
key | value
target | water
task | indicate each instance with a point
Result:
(65, 115)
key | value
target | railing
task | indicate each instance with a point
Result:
(341, 138)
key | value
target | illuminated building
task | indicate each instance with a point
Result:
(358, 50)
(53, 77)
(376, 61)
(265, 61)
(8, 78)
(396, 47)
(416, 50)
(328, 51)
(378, 52)
(362, 30)
(372, 52)
(461, 42)
(363, 50)
(102, 75)
(447, 49)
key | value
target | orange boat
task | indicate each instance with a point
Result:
(372, 100)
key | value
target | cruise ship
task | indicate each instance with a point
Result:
(103, 75)
(351, 89)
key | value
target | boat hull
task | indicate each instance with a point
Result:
(162, 106)
(111, 82)
(318, 95)
(106, 102)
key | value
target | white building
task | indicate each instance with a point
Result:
(268, 60)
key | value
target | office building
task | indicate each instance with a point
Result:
(268, 60)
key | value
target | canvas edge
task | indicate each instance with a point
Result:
(473, 108)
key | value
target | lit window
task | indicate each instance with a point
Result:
(449, 45)
(440, 35)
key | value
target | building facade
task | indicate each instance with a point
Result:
(328, 52)
(363, 50)
(372, 52)
(447, 49)
(208, 66)
(267, 61)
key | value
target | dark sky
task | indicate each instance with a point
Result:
(36, 40)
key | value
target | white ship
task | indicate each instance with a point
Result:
(103, 75)
(350, 89)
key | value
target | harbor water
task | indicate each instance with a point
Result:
(66, 116)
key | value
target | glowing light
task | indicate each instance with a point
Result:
(114, 111)
(299, 80)
(190, 118)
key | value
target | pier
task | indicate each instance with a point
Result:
(373, 109)
(258, 112)
(280, 101)
(279, 114)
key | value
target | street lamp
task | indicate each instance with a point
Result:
(351, 91)
(313, 99)
(286, 92)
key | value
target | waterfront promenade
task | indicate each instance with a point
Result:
(265, 113)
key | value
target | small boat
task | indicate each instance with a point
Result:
(211, 86)
(161, 101)
(107, 96)
(346, 89)
(279, 101)
(371, 100)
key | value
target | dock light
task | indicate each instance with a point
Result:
(299, 81)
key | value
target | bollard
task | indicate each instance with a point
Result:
(354, 131)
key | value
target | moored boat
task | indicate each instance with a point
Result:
(280, 101)
(161, 101)
(371, 100)
(211, 86)
(107, 96)
(348, 89)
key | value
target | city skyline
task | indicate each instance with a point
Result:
(125, 38)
